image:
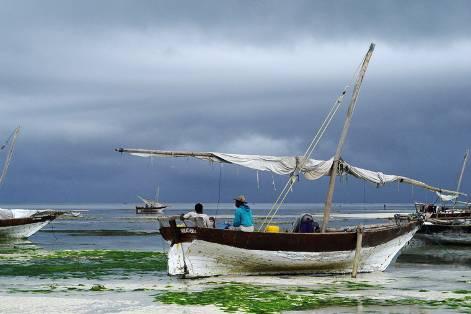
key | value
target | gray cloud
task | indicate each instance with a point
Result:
(252, 21)
(247, 77)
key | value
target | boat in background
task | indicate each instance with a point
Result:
(444, 213)
(21, 223)
(447, 224)
(151, 206)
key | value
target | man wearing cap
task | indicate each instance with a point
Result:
(243, 215)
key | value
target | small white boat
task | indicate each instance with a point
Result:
(151, 206)
(23, 223)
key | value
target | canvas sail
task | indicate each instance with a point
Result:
(285, 165)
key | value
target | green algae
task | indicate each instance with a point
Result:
(233, 297)
(54, 288)
(48, 289)
(98, 287)
(461, 291)
(79, 263)
(102, 233)
(143, 289)
(358, 285)
(321, 290)
(38, 291)
(241, 297)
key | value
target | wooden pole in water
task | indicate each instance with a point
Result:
(356, 259)
(343, 136)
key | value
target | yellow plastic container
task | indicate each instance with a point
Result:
(272, 229)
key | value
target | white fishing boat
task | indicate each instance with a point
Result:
(197, 251)
(20, 223)
(151, 206)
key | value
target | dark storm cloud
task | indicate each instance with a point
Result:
(243, 76)
(256, 21)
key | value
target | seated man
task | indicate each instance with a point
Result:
(243, 215)
(199, 213)
(305, 224)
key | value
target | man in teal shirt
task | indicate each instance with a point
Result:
(243, 215)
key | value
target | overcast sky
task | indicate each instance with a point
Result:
(84, 77)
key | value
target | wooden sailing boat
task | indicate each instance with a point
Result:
(198, 251)
(20, 223)
(448, 212)
(151, 206)
(448, 224)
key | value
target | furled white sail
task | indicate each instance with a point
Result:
(446, 197)
(278, 165)
(312, 169)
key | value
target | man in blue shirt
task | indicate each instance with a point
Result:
(243, 215)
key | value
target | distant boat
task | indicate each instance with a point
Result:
(151, 206)
(20, 223)
(450, 223)
(445, 225)
(23, 223)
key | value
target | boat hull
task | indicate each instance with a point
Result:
(446, 234)
(16, 228)
(195, 256)
(150, 210)
(21, 231)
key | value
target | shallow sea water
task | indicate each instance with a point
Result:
(111, 260)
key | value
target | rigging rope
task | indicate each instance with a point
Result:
(292, 180)
(300, 165)
(9, 154)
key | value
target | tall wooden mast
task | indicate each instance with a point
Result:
(465, 160)
(458, 186)
(343, 136)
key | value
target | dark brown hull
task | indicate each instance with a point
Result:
(439, 228)
(26, 221)
(293, 242)
(451, 215)
(150, 208)
(15, 228)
